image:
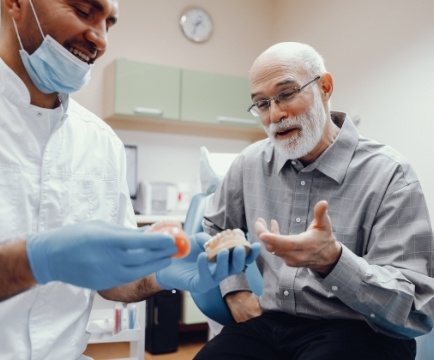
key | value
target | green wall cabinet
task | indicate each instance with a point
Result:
(215, 98)
(141, 89)
(150, 97)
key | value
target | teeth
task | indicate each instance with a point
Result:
(79, 54)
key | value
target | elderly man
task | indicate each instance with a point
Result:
(347, 261)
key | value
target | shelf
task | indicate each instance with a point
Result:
(123, 336)
(136, 123)
(101, 323)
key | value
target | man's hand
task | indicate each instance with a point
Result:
(244, 305)
(97, 255)
(195, 273)
(316, 248)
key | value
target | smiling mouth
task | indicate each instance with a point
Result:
(83, 57)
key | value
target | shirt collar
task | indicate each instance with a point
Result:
(16, 91)
(340, 152)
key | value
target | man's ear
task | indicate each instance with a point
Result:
(326, 86)
(13, 7)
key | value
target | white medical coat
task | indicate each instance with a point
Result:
(57, 167)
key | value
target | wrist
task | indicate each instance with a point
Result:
(323, 271)
(37, 263)
(237, 296)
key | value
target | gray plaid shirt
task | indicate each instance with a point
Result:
(378, 213)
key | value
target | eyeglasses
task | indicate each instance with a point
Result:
(261, 107)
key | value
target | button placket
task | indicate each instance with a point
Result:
(301, 202)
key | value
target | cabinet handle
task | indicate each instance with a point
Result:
(228, 119)
(156, 316)
(148, 111)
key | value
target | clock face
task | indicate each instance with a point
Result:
(196, 25)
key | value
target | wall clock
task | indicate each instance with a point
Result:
(196, 24)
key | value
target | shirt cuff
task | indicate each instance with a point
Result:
(347, 275)
(234, 283)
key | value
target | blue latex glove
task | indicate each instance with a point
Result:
(195, 273)
(97, 255)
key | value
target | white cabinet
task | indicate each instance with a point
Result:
(101, 325)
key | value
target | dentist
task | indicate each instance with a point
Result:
(65, 211)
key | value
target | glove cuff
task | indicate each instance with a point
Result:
(37, 259)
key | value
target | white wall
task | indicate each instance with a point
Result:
(149, 31)
(381, 54)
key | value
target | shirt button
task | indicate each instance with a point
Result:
(39, 114)
(286, 293)
(335, 288)
(294, 162)
(372, 315)
(303, 183)
(298, 220)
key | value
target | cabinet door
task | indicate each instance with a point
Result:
(146, 89)
(216, 99)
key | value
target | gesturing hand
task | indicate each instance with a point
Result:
(97, 255)
(316, 248)
(195, 273)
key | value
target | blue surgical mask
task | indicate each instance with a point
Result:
(52, 68)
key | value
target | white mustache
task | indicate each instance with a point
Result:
(285, 124)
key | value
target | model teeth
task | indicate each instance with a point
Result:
(224, 236)
(79, 54)
(164, 224)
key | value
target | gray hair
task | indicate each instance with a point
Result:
(297, 55)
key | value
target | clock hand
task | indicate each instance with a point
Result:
(196, 25)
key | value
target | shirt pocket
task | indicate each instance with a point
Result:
(94, 199)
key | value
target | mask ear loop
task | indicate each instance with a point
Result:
(36, 18)
(18, 34)
(37, 22)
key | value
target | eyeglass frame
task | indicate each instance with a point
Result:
(295, 91)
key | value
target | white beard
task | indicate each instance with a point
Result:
(311, 123)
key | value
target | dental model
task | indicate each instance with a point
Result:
(174, 228)
(227, 239)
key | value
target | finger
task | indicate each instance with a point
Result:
(275, 227)
(131, 273)
(238, 260)
(276, 243)
(135, 257)
(222, 265)
(255, 250)
(151, 241)
(260, 226)
(206, 280)
(200, 238)
(321, 218)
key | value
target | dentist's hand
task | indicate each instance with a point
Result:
(97, 255)
(195, 273)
